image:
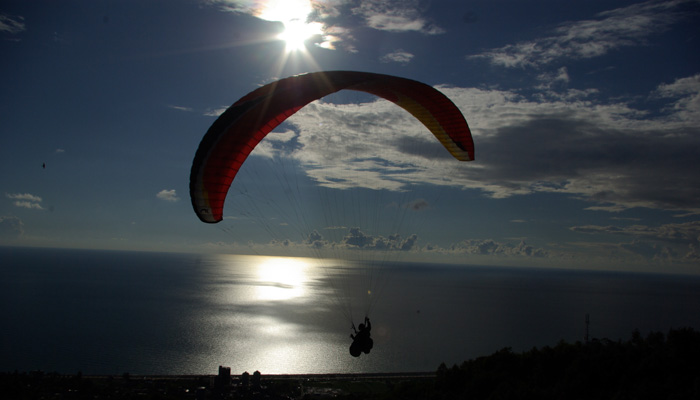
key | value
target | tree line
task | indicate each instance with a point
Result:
(658, 366)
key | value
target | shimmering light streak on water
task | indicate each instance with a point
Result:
(281, 278)
(271, 314)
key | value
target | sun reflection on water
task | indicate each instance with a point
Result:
(274, 314)
(281, 278)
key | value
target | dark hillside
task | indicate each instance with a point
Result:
(656, 367)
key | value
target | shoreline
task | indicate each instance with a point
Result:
(52, 385)
(234, 378)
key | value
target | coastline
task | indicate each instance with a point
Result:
(38, 384)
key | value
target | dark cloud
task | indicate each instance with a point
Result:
(651, 251)
(357, 239)
(316, 240)
(688, 232)
(417, 205)
(408, 244)
(655, 168)
(668, 242)
(491, 247)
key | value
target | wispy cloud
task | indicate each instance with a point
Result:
(28, 204)
(11, 24)
(23, 196)
(168, 195)
(395, 16)
(669, 242)
(180, 108)
(688, 232)
(25, 200)
(685, 94)
(398, 56)
(215, 112)
(627, 26)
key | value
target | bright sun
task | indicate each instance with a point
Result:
(296, 33)
(294, 15)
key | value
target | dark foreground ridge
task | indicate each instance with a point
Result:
(658, 366)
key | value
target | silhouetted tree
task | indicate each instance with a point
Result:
(656, 367)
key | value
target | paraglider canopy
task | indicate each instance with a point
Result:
(234, 135)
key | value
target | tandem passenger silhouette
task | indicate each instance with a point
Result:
(361, 340)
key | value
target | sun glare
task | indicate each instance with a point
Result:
(296, 33)
(281, 278)
(294, 15)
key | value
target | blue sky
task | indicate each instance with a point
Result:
(585, 117)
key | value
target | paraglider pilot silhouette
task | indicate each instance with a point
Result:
(361, 340)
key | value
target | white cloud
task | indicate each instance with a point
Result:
(215, 112)
(368, 141)
(398, 56)
(549, 80)
(686, 93)
(627, 26)
(28, 204)
(168, 195)
(610, 154)
(23, 196)
(11, 25)
(395, 16)
(180, 108)
(25, 200)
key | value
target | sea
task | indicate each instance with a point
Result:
(114, 312)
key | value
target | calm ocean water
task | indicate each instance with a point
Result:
(104, 312)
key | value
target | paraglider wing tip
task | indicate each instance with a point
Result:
(205, 215)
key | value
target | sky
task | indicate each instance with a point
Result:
(585, 117)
